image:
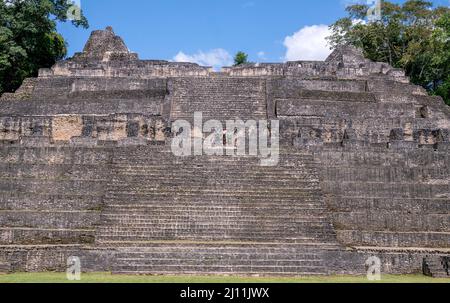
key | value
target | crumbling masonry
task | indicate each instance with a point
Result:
(86, 169)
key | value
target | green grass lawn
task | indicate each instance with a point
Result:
(109, 278)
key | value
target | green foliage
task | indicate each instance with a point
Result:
(28, 38)
(443, 90)
(240, 58)
(413, 36)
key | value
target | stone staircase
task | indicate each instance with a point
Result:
(221, 258)
(50, 196)
(214, 215)
(386, 197)
(218, 98)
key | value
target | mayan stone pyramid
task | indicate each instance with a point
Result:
(87, 169)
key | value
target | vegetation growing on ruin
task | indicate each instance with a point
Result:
(413, 36)
(240, 58)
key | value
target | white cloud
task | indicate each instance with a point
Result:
(308, 43)
(262, 55)
(216, 58)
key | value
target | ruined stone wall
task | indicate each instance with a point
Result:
(384, 197)
(75, 129)
(344, 63)
(50, 195)
(325, 111)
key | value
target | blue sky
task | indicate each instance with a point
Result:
(211, 31)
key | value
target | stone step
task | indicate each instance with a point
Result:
(384, 158)
(175, 214)
(388, 190)
(214, 199)
(50, 155)
(382, 174)
(215, 258)
(144, 263)
(52, 187)
(53, 171)
(215, 269)
(23, 236)
(420, 205)
(217, 246)
(49, 219)
(324, 95)
(246, 168)
(194, 232)
(10, 200)
(213, 180)
(200, 230)
(205, 191)
(148, 154)
(188, 165)
(142, 220)
(220, 177)
(223, 271)
(400, 221)
(164, 236)
(243, 174)
(207, 207)
(241, 255)
(387, 238)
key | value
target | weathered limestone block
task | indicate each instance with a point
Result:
(112, 130)
(10, 128)
(35, 126)
(65, 128)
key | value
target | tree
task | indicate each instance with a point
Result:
(28, 37)
(413, 36)
(240, 58)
